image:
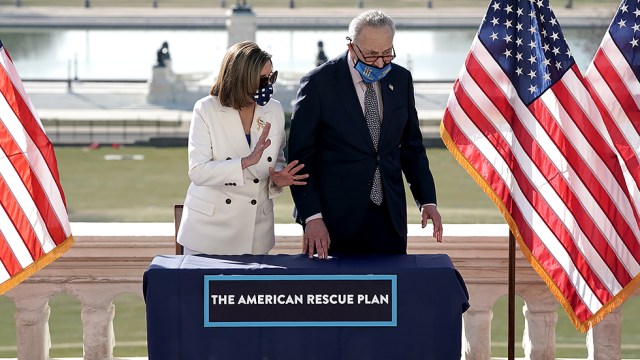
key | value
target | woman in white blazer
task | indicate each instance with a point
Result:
(236, 159)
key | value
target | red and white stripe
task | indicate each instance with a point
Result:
(616, 91)
(552, 170)
(33, 216)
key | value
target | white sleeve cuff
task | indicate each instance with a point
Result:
(313, 217)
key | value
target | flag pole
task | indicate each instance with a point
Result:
(512, 297)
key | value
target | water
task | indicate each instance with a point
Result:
(431, 54)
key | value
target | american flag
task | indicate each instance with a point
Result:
(34, 225)
(612, 79)
(521, 121)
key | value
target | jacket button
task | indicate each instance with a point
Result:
(234, 184)
(255, 181)
(228, 158)
(269, 159)
(253, 202)
(226, 184)
(228, 201)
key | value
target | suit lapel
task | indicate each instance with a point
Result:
(387, 89)
(347, 92)
(230, 119)
(260, 118)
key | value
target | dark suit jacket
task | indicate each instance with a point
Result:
(329, 134)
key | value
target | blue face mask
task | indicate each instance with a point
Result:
(263, 95)
(371, 73)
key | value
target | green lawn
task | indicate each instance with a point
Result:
(127, 190)
(145, 190)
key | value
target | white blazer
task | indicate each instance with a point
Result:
(229, 210)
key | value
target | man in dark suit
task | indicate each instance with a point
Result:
(355, 128)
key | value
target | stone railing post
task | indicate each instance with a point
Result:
(32, 328)
(32, 320)
(97, 316)
(604, 341)
(540, 319)
(476, 329)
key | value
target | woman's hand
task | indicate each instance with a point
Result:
(261, 145)
(288, 175)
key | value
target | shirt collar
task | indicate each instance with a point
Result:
(355, 75)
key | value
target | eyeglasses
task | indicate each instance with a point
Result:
(386, 58)
(268, 79)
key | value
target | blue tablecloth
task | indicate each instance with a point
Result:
(431, 297)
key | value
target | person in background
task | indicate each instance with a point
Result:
(321, 58)
(236, 159)
(355, 128)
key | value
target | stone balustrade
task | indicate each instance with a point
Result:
(108, 260)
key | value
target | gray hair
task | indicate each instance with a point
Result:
(372, 18)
